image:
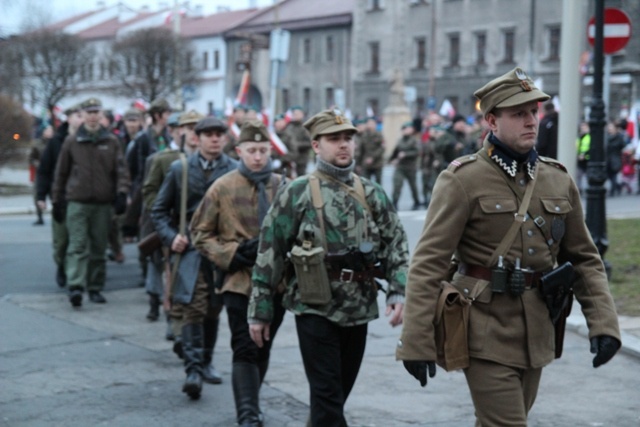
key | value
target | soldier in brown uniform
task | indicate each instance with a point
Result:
(510, 332)
(300, 140)
(225, 229)
(370, 152)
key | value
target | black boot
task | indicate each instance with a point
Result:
(61, 276)
(169, 335)
(245, 378)
(154, 307)
(192, 349)
(210, 374)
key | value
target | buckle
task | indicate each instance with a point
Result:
(539, 221)
(342, 275)
(521, 218)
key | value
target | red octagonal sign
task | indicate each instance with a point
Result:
(617, 30)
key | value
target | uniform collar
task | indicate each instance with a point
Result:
(510, 161)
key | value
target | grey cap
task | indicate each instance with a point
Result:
(210, 123)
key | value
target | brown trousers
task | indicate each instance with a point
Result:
(502, 395)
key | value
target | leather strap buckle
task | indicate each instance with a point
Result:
(344, 272)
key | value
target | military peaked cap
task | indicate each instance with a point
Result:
(328, 121)
(511, 89)
(91, 104)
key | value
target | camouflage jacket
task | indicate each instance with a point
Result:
(345, 220)
(370, 145)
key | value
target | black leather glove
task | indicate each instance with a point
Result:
(418, 368)
(120, 204)
(604, 347)
(59, 211)
(238, 262)
(249, 248)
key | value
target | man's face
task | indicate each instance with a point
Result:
(175, 133)
(297, 115)
(238, 116)
(75, 119)
(190, 138)
(407, 131)
(211, 143)
(516, 127)
(280, 124)
(162, 118)
(91, 119)
(372, 125)
(255, 155)
(335, 148)
(132, 126)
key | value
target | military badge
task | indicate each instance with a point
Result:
(257, 137)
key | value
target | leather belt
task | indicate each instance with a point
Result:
(531, 278)
(348, 275)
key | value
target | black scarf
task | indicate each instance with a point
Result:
(341, 174)
(509, 160)
(260, 179)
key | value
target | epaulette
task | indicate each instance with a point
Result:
(461, 161)
(553, 162)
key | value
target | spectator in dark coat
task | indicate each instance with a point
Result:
(548, 132)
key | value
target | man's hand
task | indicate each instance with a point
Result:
(260, 332)
(120, 204)
(42, 205)
(604, 347)
(179, 243)
(397, 309)
(59, 211)
(418, 369)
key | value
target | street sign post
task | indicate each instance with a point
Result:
(617, 30)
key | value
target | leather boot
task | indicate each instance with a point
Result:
(210, 374)
(169, 335)
(245, 378)
(154, 307)
(192, 343)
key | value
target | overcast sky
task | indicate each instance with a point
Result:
(18, 14)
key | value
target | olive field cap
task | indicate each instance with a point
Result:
(189, 118)
(160, 105)
(253, 131)
(91, 104)
(132, 114)
(297, 107)
(174, 119)
(511, 89)
(210, 123)
(73, 109)
(328, 121)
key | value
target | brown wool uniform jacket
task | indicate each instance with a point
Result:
(470, 212)
(227, 216)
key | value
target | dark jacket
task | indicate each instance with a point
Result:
(167, 206)
(144, 145)
(548, 135)
(47, 167)
(90, 168)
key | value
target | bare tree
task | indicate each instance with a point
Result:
(152, 63)
(15, 129)
(50, 64)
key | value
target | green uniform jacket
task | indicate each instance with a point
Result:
(409, 146)
(345, 219)
(90, 168)
(158, 169)
(470, 212)
(370, 145)
(228, 215)
(299, 137)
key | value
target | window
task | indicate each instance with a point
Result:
(306, 51)
(329, 48)
(373, 5)
(329, 97)
(509, 46)
(554, 43)
(374, 49)
(187, 62)
(421, 53)
(216, 59)
(285, 99)
(306, 99)
(205, 60)
(481, 48)
(454, 50)
(90, 71)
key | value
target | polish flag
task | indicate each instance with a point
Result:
(277, 144)
(140, 104)
(447, 110)
(243, 90)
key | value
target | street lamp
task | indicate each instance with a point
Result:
(596, 169)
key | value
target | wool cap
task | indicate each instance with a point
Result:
(511, 89)
(328, 121)
(253, 131)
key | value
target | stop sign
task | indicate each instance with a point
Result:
(617, 30)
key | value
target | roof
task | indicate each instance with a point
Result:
(60, 25)
(214, 24)
(109, 28)
(301, 14)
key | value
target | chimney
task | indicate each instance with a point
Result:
(198, 11)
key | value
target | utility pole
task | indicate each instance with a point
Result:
(177, 96)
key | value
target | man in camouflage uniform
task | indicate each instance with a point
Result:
(370, 152)
(510, 335)
(225, 230)
(356, 227)
(405, 159)
(192, 290)
(300, 140)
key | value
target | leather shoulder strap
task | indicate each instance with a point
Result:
(316, 198)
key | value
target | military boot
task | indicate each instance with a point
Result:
(245, 378)
(192, 343)
(154, 307)
(210, 374)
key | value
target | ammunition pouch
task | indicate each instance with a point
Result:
(556, 288)
(311, 272)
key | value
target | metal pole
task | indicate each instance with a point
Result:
(596, 174)
(178, 59)
(432, 53)
(606, 84)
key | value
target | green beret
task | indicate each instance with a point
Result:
(210, 123)
(407, 125)
(91, 104)
(509, 90)
(328, 121)
(253, 131)
(297, 107)
(189, 118)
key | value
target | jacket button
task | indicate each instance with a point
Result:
(498, 206)
(530, 233)
(531, 251)
(557, 208)
(522, 183)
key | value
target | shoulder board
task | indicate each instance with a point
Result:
(553, 162)
(461, 161)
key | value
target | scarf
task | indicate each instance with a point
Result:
(341, 174)
(509, 160)
(260, 179)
